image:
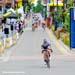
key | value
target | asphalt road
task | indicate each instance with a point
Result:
(25, 57)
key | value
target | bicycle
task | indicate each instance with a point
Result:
(46, 56)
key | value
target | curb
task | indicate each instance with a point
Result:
(61, 48)
(71, 51)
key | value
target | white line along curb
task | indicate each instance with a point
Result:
(57, 44)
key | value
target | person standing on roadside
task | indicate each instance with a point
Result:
(16, 25)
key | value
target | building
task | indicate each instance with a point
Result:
(9, 3)
(6, 3)
(19, 3)
(3, 3)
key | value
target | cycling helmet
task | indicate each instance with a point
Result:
(45, 40)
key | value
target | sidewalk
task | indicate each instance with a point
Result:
(4, 57)
(59, 44)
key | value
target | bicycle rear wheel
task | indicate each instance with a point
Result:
(48, 63)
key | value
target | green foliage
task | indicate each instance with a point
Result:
(67, 17)
(59, 19)
(58, 14)
(32, 5)
(66, 26)
(70, 2)
(65, 38)
(18, 15)
(52, 27)
(38, 6)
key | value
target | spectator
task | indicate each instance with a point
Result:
(16, 26)
(8, 21)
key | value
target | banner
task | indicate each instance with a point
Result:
(55, 1)
(72, 28)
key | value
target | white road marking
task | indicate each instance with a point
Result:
(13, 72)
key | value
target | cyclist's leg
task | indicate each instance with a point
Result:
(45, 56)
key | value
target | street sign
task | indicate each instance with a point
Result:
(72, 28)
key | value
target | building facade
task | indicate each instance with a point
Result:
(19, 3)
(4, 2)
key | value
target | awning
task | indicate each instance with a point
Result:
(11, 10)
(6, 14)
(12, 15)
(55, 4)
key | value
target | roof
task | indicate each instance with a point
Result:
(55, 4)
(12, 15)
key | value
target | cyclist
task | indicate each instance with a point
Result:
(46, 46)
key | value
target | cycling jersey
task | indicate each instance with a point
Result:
(45, 45)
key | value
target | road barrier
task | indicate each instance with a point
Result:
(1, 47)
(7, 42)
(14, 39)
(17, 34)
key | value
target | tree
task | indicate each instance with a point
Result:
(38, 6)
(33, 7)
